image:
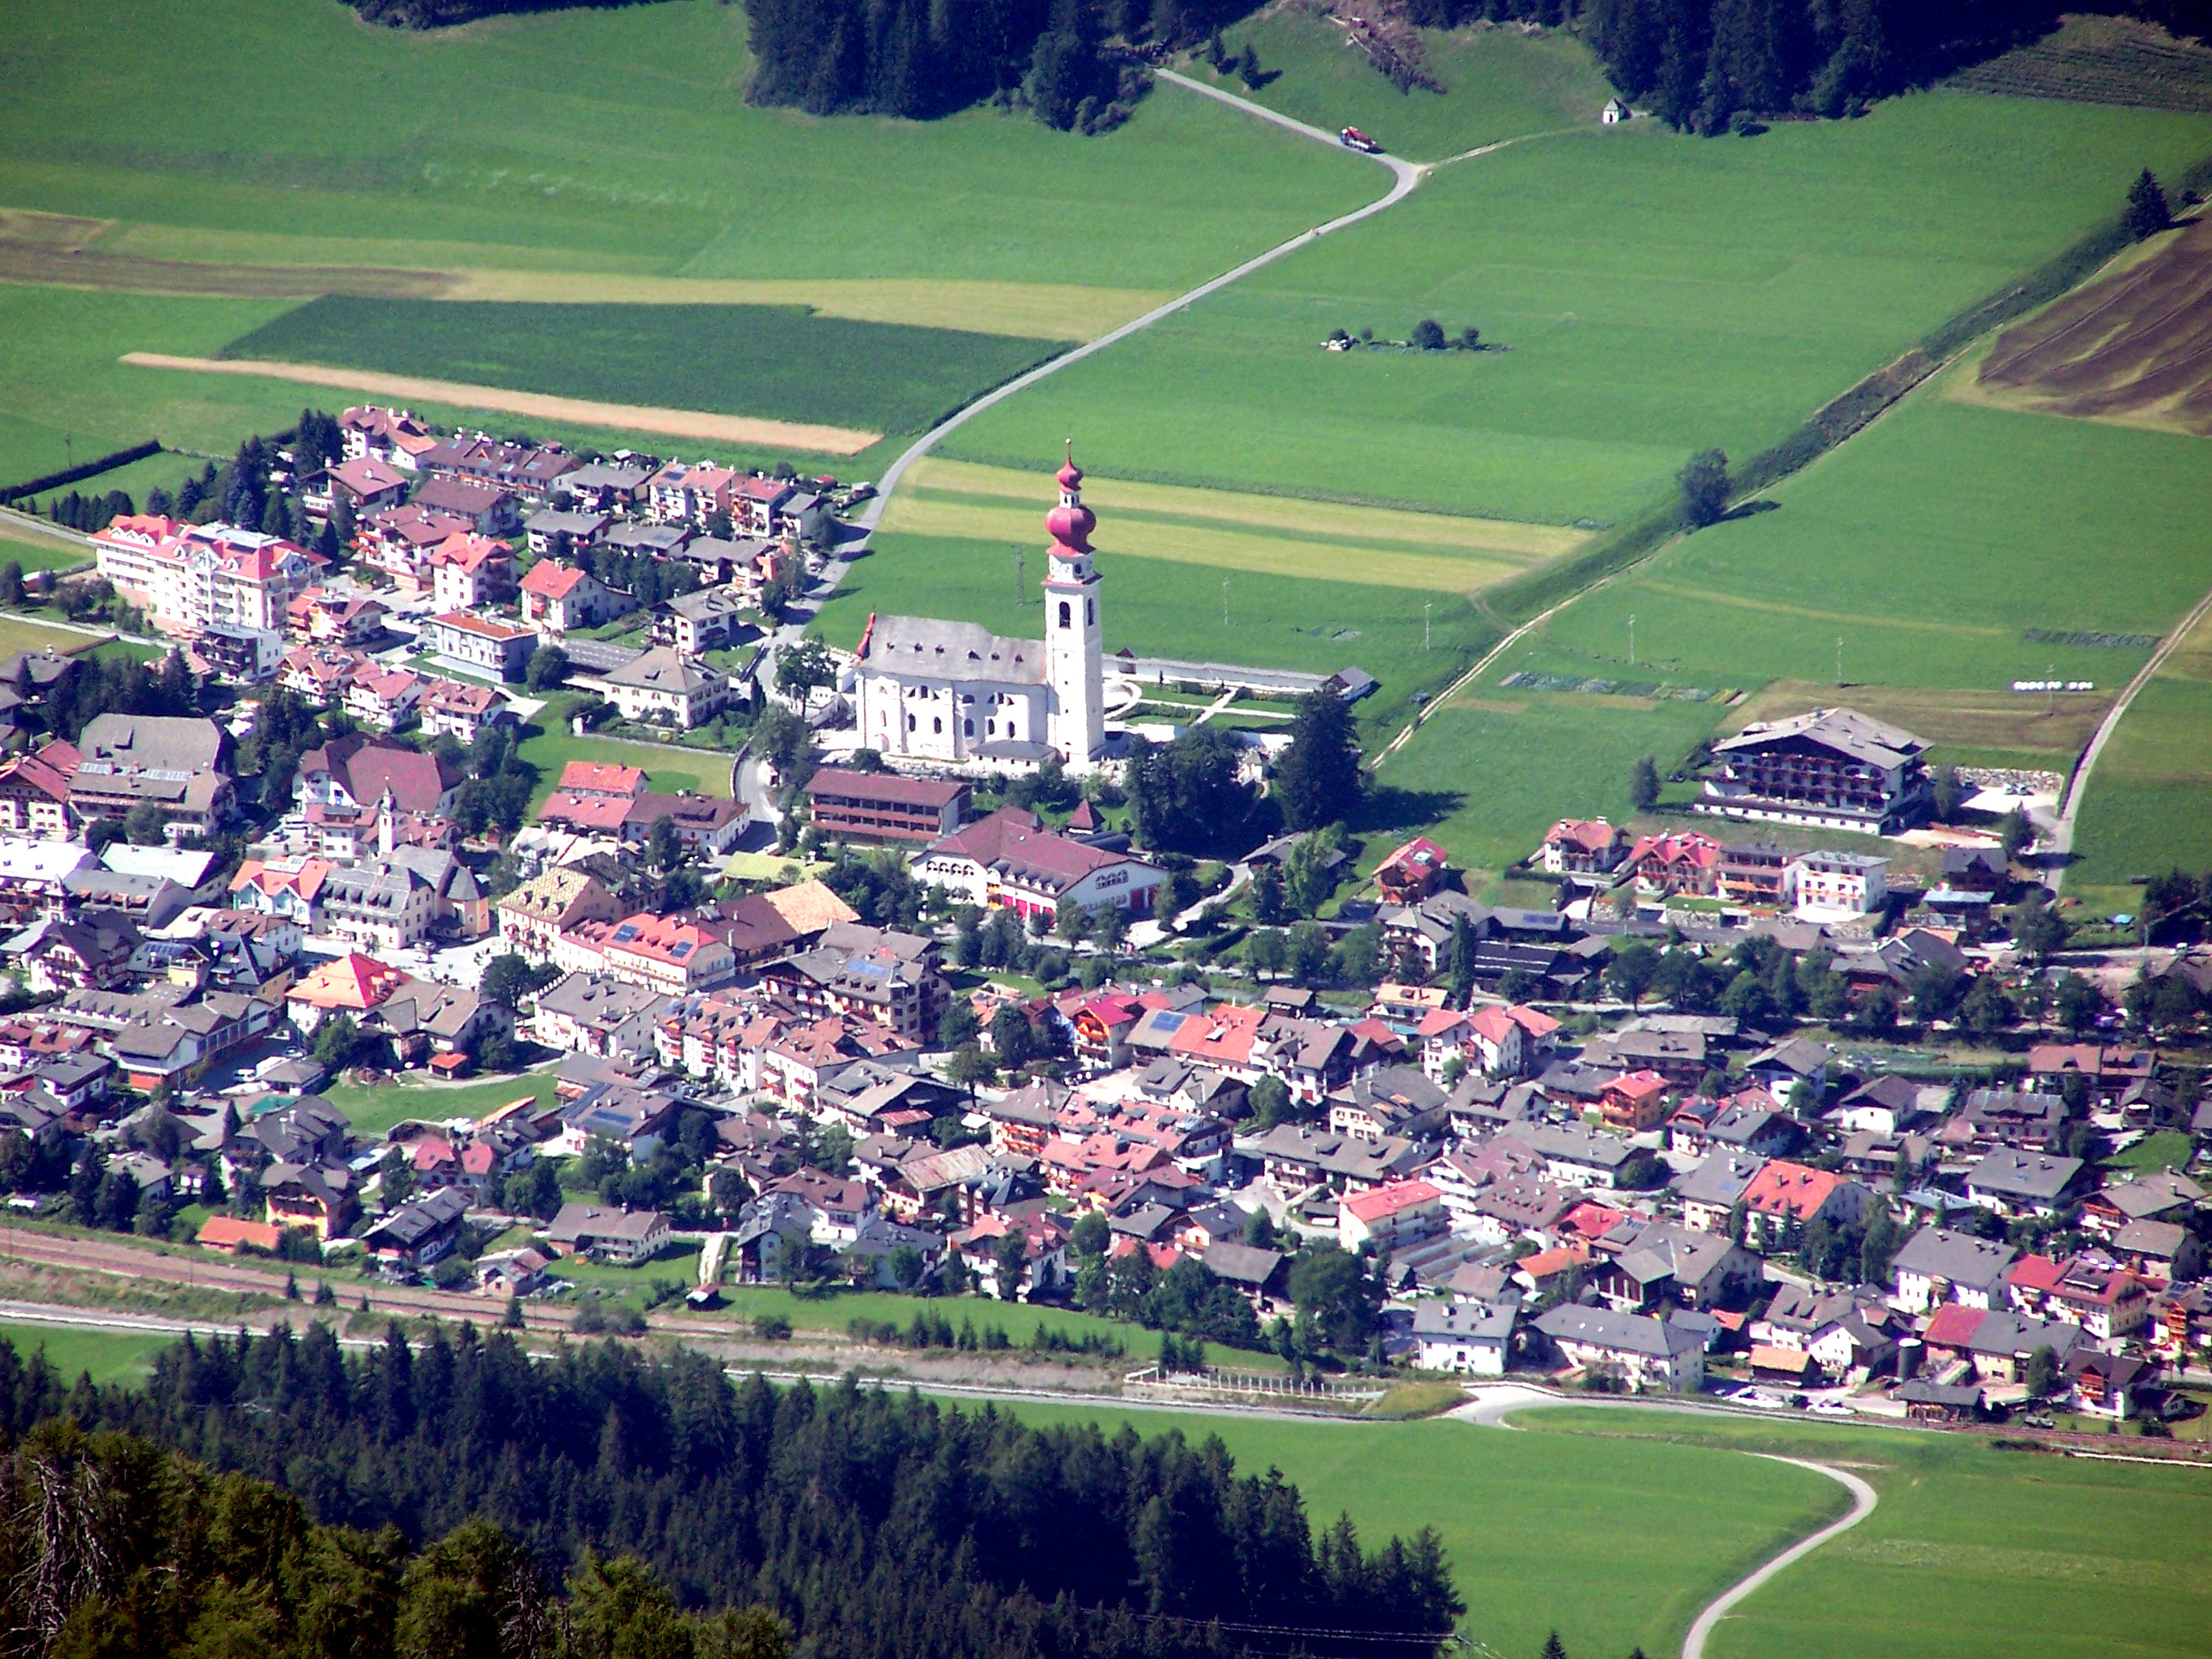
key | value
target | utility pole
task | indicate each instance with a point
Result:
(2050, 689)
(1224, 602)
(1839, 659)
(1631, 639)
(1021, 575)
(1425, 604)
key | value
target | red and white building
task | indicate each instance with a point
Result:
(463, 710)
(1581, 846)
(393, 436)
(663, 952)
(1403, 1210)
(1682, 863)
(468, 570)
(1012, 860)
(556, 598)
(190, 577)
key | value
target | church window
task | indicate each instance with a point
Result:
(968, 728)
(909, 722)
(1089, 612)
(938, 726)
(1066, 616)
(990, 728)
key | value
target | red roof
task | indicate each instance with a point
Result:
(1637, 1086)
(1953, 1325)
(1793, 1189)
(1420, 851)
(469, 552)
(227, 1233)
(2036, 1272)
(353, 981)
(1591, 834)
(1387, 1201)
(548, 581)
(596, 778)
(1016, 842)
(1535, 1022)
(1684, 847)
(890, 787)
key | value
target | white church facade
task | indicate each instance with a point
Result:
(955, 691)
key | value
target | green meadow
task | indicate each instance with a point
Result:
(1613, 1544)
(374, 1110)
(782, 362)
(108, 1356)
(1930, 545)
(1970, 1552)
(2147, 807)
(1498, 83)
(1656, 293)
(611, 139)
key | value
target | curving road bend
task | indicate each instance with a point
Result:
(1405, 175)
(1491, 1406)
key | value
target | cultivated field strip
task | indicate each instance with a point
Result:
(620, 418)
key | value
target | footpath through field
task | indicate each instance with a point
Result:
(1490, 1405)
(2062, 834)
(1405, 175)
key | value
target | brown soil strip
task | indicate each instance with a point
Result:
(2133, 345)
(575, 411)
(67, 267)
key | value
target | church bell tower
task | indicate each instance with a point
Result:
(1074, 658)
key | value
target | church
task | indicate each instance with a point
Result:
(930, 689)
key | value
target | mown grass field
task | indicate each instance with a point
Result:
(1232, 529)
(1659, 295)
(33, 552)
(1613, 1544)
(780, 362)
(673, 770)
(109, 1356)
(63, 392)
(2147, 808)
(1160, 607)
(1498, 83)
(611, 140)
(1930, 545)
(374, 1111)
(1970, 1552)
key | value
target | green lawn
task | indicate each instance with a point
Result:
(1970, 1552)
(552, 747)
(834, 1309)
(375, 1111)
(2167, 1149)
(1613, 1546)
(110, 1356)
(1498, 83)
(32, 552)
(1659, 293)
(777, 361)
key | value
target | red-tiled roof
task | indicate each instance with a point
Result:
(596, 778)
(548, 581)
(1386, 1201)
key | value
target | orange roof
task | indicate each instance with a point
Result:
(1545, 1263)
(661, 938)
(1592, 835)
(1420, 851)
(1791, 1189)
(1637, 1086)
(1492, 1023)
(488, 628)
(353, 981)
(1386, 1201)
(227, 1233)
(469, 550)
(1535, 1022)
(548, 581)
(304, 879)
(591, 778)
(1227, 1033)
(1795, 1361)
(2036, 1272)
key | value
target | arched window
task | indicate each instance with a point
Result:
(1067, 615)
(1089, 612)
(938, 726)
(968, 728)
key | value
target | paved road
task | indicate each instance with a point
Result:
(2060, 839)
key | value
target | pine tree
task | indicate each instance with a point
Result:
(1316, 780)
(2148, 213)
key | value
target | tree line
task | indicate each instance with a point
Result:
(874, 1525)
(1705, 65)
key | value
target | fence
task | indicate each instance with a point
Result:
(1250, 1384)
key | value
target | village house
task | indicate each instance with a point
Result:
(847, 805)
(1683, 862)
(1412, 872)
(706, 619)
(191, 578)
(483, 645)
(1643, 1354)
(1010, 860)
(1830, 769)
(1471, 1338)
(1837, 886)
(468, 571)
(557, 598)
(489, 509)
(1936, 1267)
(1581, 846)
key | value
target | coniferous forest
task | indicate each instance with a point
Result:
(872, 1525)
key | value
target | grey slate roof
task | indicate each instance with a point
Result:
(1960, 1257)
(1602, 1327)
(952, 650)
(2010, 1173)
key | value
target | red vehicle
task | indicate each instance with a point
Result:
(1353, 138)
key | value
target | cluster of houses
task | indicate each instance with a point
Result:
(468, 554)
